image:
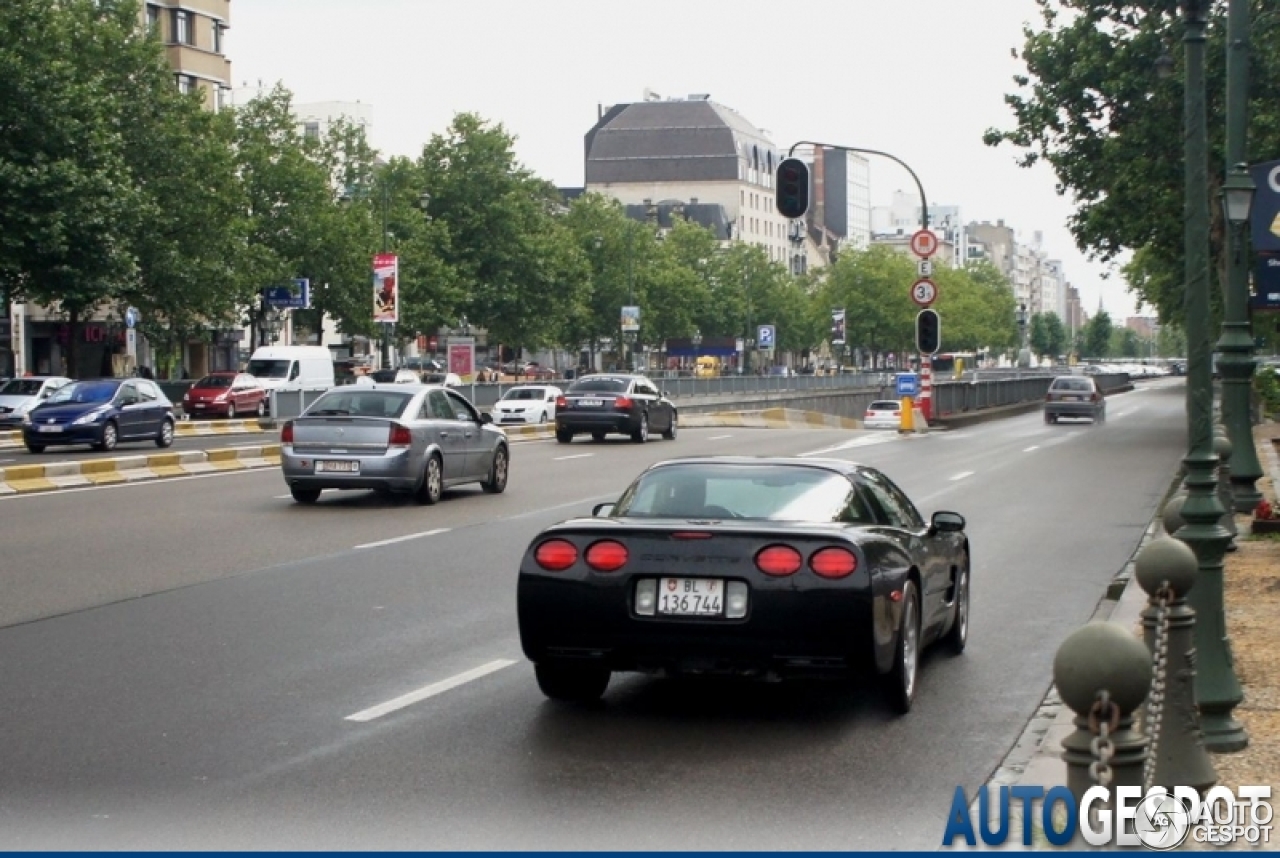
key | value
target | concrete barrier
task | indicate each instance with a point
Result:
(27, 479)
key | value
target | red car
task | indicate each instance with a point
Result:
(226, 394)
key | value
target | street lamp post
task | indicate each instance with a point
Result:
(1217, 689)
(1236, 345)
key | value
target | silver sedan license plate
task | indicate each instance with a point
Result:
(691, 597)
(337, 467)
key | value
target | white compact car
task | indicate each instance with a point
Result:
(526, 403)
(20, 395)
(883, 414)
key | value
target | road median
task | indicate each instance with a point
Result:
(29, 479)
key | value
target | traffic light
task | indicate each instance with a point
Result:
(928, 332)
(792, 188)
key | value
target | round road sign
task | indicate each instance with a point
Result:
(924, 243)
(924, 292)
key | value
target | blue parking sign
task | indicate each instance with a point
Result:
(764, 337)
(908, 384)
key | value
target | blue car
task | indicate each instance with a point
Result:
(101, 413)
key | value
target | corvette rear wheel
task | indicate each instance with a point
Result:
(906, 657)
(571, 683)
(958, 636)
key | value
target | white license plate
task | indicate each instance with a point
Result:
(199, 405)
(338, 467)
(591, 403)
(691, 597)
(1071, 398)
(49, 428)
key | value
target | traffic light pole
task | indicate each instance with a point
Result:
(924, 205)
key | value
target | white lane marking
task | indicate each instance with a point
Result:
(429, 691)
(719, 437)
(575, 456)
(405, 538)
(138, 483)
(1032, 448)
(868, 441)
(283, 497)
(962, 475)
(8, 460)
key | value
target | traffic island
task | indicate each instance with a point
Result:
(30, 479)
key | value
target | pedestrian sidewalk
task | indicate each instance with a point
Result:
(1036, 757)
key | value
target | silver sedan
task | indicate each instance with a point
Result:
(403, 438)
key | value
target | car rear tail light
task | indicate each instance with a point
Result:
(400, 436)
(561, 402)
(778, 560)
(556, 555)
(623, 403)
(833, 563)
(286, 434)
(607, 556)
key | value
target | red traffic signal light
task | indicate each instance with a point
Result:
(928, 332)
(792, 188)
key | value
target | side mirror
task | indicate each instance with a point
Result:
(602, 510)
(947, 522)
(486, 417)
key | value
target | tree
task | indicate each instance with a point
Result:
(67, 199)
(1096, 336)
(1048, 337)
(872, 287)
(1092, 108)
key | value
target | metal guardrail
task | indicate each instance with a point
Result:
(958, 397)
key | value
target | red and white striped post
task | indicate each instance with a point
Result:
(926, 387)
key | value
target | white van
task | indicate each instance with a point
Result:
(292, 367)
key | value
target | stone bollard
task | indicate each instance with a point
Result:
(1222, 449)
(1172, 518)
(1103, 673)
(1166, 569)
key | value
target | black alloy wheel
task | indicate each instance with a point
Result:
(903, 678)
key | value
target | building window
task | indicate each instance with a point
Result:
(311, 131)
(217, 37)
(182, 32)
(223, 97)
(186, 84)
(153, 19)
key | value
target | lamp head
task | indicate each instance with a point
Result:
(1237, 195)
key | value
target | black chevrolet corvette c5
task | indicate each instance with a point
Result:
(755, 567)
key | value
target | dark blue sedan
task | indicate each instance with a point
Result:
(101, 413)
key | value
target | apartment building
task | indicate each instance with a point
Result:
(660, 153)
(194, 33)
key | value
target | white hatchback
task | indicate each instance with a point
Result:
(883, 414)
(526, 403)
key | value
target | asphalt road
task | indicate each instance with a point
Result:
(183, 672)
(52, 455)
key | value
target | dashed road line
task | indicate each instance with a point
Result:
(719, 437)
(427, 691)
(1032, 448)
(575, 456)
(405, 538)
(962, 475)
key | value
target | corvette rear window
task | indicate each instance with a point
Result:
(726, 491)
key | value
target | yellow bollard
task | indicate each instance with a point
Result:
(908, 408)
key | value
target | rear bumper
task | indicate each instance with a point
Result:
(1073, 409)
(604, 421)
(397, 471)
(206, 409)
(787, 632)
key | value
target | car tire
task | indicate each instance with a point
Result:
(165, 438)
(905, 675)
(1050, 419)
(1101, 418)
(642, 431)
(432, 482)
(564, 436)
(35, 448)
(496, 483)
(674, 428)
(958, 635)
(544, 418)
(572, 683)
(110, 437)
(597, 436)
(307, 496)
(231, 411)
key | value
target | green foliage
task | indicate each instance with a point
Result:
(1266, 386)
(1095, 340)
(1091, 106)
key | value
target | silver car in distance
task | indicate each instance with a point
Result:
(402, 438)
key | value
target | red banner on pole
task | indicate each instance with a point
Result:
(386, 287)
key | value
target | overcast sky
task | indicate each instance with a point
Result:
(921, 79)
